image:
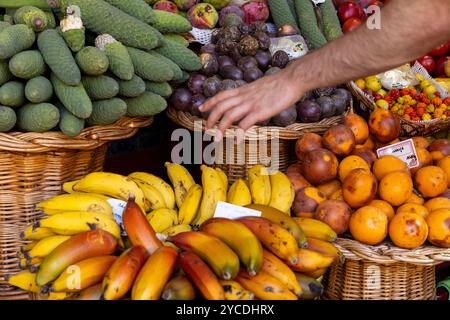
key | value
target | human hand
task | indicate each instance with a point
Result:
(253, 103)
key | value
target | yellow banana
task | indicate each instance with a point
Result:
(311, 287)
(111, 184)
(260, 184)
(163, 218)
(179, 288)
(75, 202)
(45, 246)
(240, 239)
(181, 180)
(239, 194)
(310, 261)
(71, 223)
(173, 231)
(264, 286)
(223, 177)
(189, 208)
(82, 275)
(163, 187)
(283, 193)
(222, 260)
(28, 246)
(68, 186)
(213, 192)
(234, 291)
(32, 232)
(153, 198)
(32, 264)
(155, 274)
(55, 296)
(316, 229)
(24, 280)
(274, 237)
(279, 270)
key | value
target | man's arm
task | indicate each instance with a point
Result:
(409, 29)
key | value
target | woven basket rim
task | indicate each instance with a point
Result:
(90, 138)
(388, 253)
(291, 132)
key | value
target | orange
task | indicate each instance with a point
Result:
(414, 208)
(439, 228)
(359, 188)
(351, 163)
(431, 181)
(420, 142)
(437, 203)
(408, 230)
(416, 199)
(388, 164)
(444, 164)
(424, 158)
(369, 225)
(385, 207)
(396, 188)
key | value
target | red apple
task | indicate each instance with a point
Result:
(428, 63)
(440, 51)
(439, 71)
(351, 24)
(349, 10)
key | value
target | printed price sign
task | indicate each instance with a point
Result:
(231, 211)
(404, 150)
(118, 207)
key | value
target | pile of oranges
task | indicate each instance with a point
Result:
(340, 180)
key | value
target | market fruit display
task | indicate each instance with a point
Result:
(339, 190)
(163, 230)
(91, 69)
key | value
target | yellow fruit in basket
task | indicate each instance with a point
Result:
(430, 90)
(396, 188)
(414, 208)
(444, 164)
(360, 83)
(162, 219)
(439, 228)
(24, 280)
(408, 230)
(369, 225)
(388, 164)
(190, 206)
(260, 184)
(385, 207)
(282, 193)
(425, 83)
(350, 163)
(431, 181)
(239, 194)
(437, 203)
(359, 188)
(75, 202)
(416, 199)
(181, 181)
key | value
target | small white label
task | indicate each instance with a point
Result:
(231, 211)
(404, 150)
(118, 207)
(317, 2)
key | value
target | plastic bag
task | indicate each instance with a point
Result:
(398, 78)
(295, 46)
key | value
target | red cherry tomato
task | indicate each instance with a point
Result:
(349, 10)
(439, 71)
(440, 51)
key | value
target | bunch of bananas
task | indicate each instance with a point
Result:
(77, 250)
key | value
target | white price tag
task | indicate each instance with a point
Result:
(317, 2)
(404, 150)
(231, 211)
(118, 207)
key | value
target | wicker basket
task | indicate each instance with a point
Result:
(383, 272)
(257, 138)
(32, 168)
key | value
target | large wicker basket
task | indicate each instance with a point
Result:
(275, 140)
(383, 272)
(33, 167)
